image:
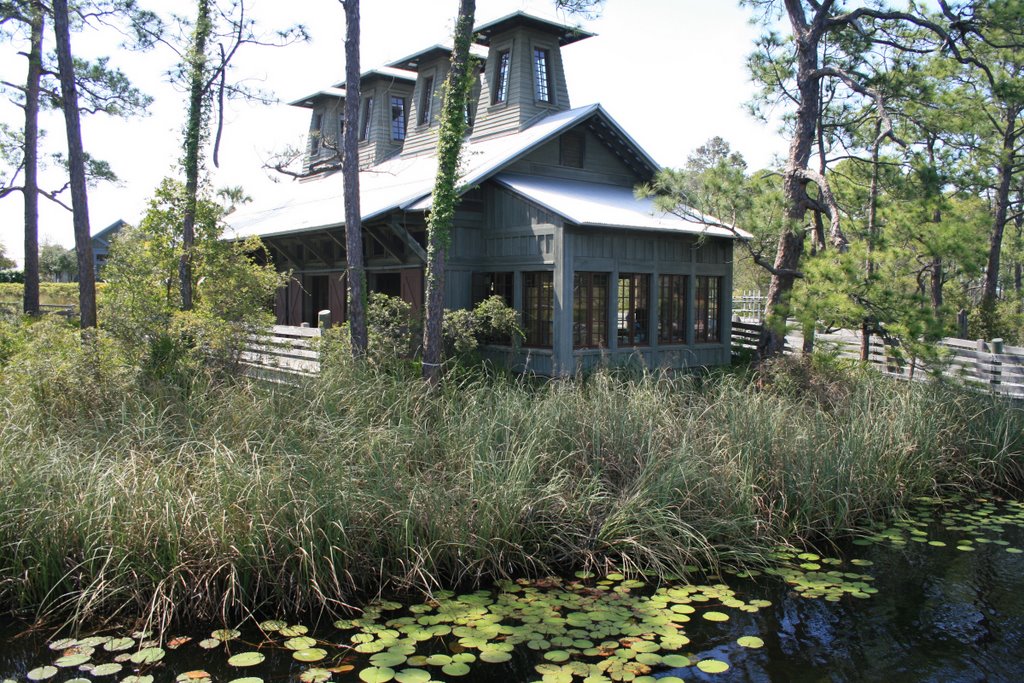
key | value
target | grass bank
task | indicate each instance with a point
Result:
(212, 495)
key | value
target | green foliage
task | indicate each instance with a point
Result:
(5, 262)
(65, 293)
(56, 263)
(233, 291)
(12, 276)
(393, 332)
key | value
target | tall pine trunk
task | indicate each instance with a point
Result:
(446, 197)
(31, 191)
(791, 241)
(195, 132)
(1005, 170)
(76, 166)
(350, 179)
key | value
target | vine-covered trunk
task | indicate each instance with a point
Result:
(791, 241)
(350, 179)
(446, 196)
(31, 191)
(195, 131)
(76, 167)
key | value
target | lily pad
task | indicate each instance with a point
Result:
(41, 673)
(272, 625)
(225, 634)
(63, 644)
(412, 676)
(68, 661)
(675, 661)
(295, 630)
(209, 643)
(716, 616)
(314, 675)
(375, 674)
(246, 679)
(712, 666)
(118, 644)
(195, 676)
(108, 669)
(148, 655)
(247, 659)
(456, 669)
(141, 679)
(299, 643)
(752, 642)
(310, 654)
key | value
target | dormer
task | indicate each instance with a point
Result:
(432, 66)
(524, 79)
(383, 118)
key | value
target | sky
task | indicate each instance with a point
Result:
(671, 72)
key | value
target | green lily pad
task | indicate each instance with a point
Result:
(225, 634)
(375, 674)
(412, 676)
(246, 679)
(310, 654)
(752, 642)
(456, 669)
(209, 643)
(118, 644)
(246, 659)
(148, 655)
(142, 679)
(93, 641)
(63, 644)
(712, 666)
(387, 659)
(194, 676)
(299, 643)
(292, 631)
(72, 660)
(108, 669)
(716, 616)
(494, 656)
(675, 661)
(272, 625)
(439, 660)
(42, 673)
(314, 675)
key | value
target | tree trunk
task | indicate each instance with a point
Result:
(195, 133)
(76, 166)
(1005, 170)
(791, 241)
(446, 197)
(938, 280)
(350, 179)
(31, 191)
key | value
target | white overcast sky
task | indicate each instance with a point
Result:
(671, 72)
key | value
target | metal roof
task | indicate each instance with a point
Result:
(338, 89)
(566, 34)
(607, 206)
(398, 183)
(412, 62)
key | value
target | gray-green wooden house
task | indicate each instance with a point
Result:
(549, 220)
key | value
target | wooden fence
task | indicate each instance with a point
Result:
(984, 364)
(282, 354)
(749, 306)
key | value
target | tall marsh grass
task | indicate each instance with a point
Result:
(216, 495)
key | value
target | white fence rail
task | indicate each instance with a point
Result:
(984, 364)
(282, 354)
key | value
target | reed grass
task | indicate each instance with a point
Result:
(213, 496)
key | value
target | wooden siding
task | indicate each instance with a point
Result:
(520, 106)
(600, 164)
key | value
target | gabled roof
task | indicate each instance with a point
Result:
(108, 232)
(566, 34)
(606, 206)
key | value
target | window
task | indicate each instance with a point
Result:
(397, 118)
(672, 309)
(426, 100)
(633, 310)
(493, 284)
(501, 74)
(315, 133)
(364, 132)
(589, 310)
(538, 308)
(707, 327)
(571, 149)
(541, 73)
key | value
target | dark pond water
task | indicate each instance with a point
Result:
(937, 598)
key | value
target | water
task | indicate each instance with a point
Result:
(934, 613)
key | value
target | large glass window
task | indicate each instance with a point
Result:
(364, 132)
(633, 322)
(541, 62)
(538, 308)
(493, 284)
(426, 101)
(707, 318)
(589, 310)
(501, 74)
(672, 309)
(397, 118)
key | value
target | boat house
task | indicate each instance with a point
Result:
(548, 219)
